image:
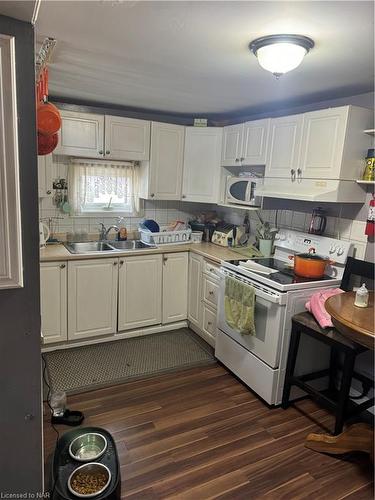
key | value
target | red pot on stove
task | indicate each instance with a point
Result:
(310, 265)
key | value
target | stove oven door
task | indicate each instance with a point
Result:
(269, 321)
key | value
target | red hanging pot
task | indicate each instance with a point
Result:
(48, 116)
(46, 143)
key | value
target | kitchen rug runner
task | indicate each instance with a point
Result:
(80, 369)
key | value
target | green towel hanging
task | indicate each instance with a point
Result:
(239, 302)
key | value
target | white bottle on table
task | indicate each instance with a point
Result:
(361, 297)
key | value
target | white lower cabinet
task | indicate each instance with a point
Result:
(175, 287)
(92, 297)
(53, 301)
(194, 292)
(209, 321)
(140, 292)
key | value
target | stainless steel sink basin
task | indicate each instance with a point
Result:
(130, 245)
(89, 246)
(107, 246)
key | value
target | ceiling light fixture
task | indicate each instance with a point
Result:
(281, 53)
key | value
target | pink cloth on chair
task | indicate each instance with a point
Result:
(316, 306)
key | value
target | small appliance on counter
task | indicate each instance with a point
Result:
(44, 234)
(318, 221)
(207, 228)
(227, 235)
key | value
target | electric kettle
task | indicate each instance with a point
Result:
(44, 234)
(318, 221)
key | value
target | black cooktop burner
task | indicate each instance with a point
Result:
(284, 275)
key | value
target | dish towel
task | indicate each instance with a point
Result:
(315, 305)
(239, 303)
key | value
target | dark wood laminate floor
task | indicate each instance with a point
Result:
(200, 434)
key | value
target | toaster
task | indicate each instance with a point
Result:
(227, 235)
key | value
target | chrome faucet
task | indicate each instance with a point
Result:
(103, 231)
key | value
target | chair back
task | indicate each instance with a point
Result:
(357, 272)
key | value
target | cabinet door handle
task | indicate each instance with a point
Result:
(152, 195)
(242, 159)
(165, 259)
(107, 152)
(212, 270)
(101, 152)
(209, 323)
(62, 266)
(49, 191)
(293, 175)
(211, 292)
(184, 196)
(299, 174)
(237, 160)
(121, 262)
(115, 263)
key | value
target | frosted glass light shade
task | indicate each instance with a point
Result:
(280, 58)
(281, 53)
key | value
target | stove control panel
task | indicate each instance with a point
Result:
(297, 242)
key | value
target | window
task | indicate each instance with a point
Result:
(97, 187)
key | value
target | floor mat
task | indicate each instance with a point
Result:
(79, 369)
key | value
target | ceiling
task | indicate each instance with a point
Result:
(193, 57)
(21, 10)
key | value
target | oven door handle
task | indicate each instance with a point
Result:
(275, 298)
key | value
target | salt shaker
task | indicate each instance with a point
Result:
(361, 297)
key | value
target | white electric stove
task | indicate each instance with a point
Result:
(260, 360)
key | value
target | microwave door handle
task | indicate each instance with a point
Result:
(248, 192)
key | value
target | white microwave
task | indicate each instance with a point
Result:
(243, 190)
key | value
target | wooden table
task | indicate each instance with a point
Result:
(357, 324)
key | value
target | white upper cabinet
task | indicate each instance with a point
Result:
(232, 145)
(103, 136)
(284, 146)
(323, 143)
(81, 134)
(45, 176)
(245, 144)
(333, 142)
(126, 138)
(92, 297)
(140, 292)
(166, 161)
(201, 173)
(175, 287)
(254, 143)
(53, 301)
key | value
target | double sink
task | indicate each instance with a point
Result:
(107, 246)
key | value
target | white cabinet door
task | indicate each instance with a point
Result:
(232, 145)
(127, 138)
(323, 143)
(195, 290)
(201, 177)
(254, 144)
(166, 161)
(81, 134)
(284, 146)
(11, 268)
(175, 287)
(45, 176)
(140, 292)
(92, 297)
(53, 301)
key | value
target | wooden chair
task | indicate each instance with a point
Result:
(334, 400)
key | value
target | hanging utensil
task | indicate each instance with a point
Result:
(48, 116)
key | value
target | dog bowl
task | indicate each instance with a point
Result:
(88, 447)
(89, 480)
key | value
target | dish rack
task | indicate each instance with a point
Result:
(165, 237)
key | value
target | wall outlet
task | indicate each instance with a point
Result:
(200, 122)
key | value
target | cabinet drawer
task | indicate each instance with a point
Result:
(209, 320)
(210, 291)
(211, 269)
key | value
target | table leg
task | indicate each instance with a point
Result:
(357, 437)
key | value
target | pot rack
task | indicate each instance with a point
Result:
(44, 56)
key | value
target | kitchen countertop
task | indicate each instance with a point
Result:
(57, 252)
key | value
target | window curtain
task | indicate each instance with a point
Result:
(87, 179)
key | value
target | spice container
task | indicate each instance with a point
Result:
(369, 173)
(361, 297)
